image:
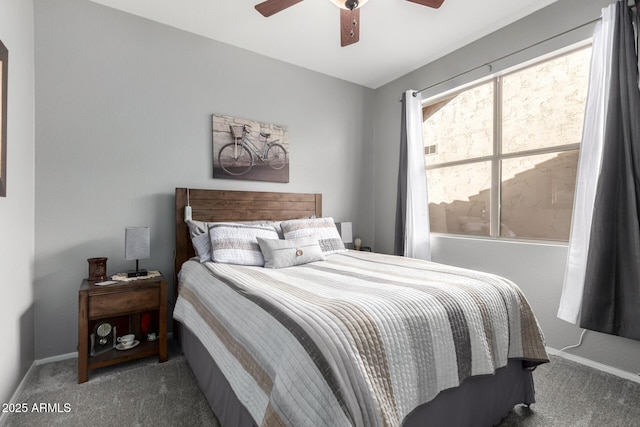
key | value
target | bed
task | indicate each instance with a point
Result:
(345, 337)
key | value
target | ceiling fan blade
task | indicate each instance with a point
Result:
(349, 27)
(271, 7)
(431, 3)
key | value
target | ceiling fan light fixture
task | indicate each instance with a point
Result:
(349, 14)
(349, 4)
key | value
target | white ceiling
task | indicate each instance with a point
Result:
(396, 36)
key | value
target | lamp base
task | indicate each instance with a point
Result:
(137, 273)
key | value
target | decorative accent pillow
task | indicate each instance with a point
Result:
(238, 244)
(287, 253)
(323, 229)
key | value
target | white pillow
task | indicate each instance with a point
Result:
(323, 229)
(199, 233)
(238, 244)
(287, 253)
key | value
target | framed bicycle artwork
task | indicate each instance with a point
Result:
(249, 150)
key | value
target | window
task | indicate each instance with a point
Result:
(430, 149)
(502, 155)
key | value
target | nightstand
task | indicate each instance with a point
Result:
(122, 304)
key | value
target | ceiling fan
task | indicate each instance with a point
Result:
(349, 14)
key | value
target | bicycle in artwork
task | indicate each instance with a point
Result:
(239, 157)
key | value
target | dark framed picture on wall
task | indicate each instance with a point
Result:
(4, 68)
(249, 150)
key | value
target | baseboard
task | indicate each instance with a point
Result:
(16, 394)
(72, 355)
(596, 365)
(57, 358)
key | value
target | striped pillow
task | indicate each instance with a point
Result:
(238, 243)
(199, 233)
(323, 229)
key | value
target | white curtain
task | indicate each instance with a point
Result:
(416, 236)
(589, 166)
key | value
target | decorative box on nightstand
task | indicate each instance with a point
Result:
(122, 306)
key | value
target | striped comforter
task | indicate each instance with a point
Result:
(359, 339)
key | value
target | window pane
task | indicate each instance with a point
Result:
(461, 127)
(459, 199)
(543, 106)
(537, 196)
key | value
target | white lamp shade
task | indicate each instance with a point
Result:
(345, 230)
(137, 243)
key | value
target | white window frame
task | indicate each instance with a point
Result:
(497, 156)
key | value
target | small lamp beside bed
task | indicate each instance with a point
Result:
(137, 246)
(346, 233)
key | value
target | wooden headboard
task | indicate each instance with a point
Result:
(223, 205)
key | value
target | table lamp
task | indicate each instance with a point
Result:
(346, 233)
(137, 246)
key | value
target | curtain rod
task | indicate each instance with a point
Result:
(488, 64)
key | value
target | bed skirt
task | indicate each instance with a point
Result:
(479, 401)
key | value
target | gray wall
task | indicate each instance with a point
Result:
(537, 269)
(17, 209)
(123, 116)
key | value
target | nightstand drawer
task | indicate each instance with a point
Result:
(123, 302)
